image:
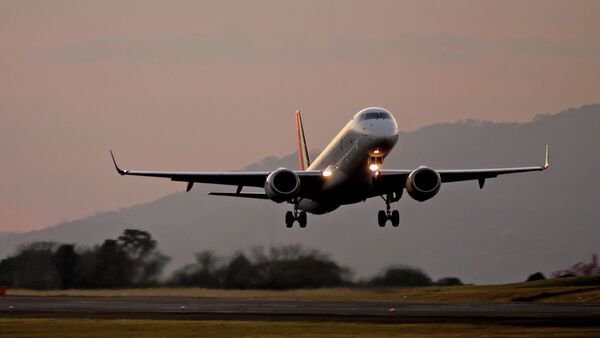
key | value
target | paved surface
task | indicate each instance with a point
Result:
(254, 309)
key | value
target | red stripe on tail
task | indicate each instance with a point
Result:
(303, 160)
(299, 142)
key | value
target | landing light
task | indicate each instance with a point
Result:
(327, 173)
(376, 151)
(374, 167)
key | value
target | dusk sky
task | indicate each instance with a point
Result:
(201, 86)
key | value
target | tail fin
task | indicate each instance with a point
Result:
(303, 159)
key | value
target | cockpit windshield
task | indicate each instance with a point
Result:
(375, 115)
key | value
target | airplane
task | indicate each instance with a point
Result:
(348, 171)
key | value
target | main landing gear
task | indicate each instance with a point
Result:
(392, 216)
(293, 216)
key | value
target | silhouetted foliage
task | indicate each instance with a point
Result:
(65, 261)
(202, 273)
(400, 276)
(112, 266)
(239, 273)
(32, 267)
(144, 261)
(536, 276)
(284, 267)
(448, 281)
(580, 269)
(131, 260)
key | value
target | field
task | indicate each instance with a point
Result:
(565, 290)
(168, 328)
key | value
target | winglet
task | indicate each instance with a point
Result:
(303, 159)
(546, 162)
(119, 170)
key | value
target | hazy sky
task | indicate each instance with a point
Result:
(191, 85)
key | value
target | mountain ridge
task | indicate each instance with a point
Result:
(517, 226)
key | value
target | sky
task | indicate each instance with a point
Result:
(213, 85)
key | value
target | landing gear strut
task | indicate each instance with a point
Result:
(392, 216)
(293, 216)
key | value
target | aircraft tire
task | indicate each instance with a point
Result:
(395, 218)
(289, 219)
(381, 218)
(302, 219)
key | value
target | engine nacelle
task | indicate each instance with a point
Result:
(423, 183)
(282, 185)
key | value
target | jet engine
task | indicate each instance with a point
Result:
(423, 183)
(282, 185)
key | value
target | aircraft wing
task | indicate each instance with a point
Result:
(310, 180)
(482, 174)
(393, 178)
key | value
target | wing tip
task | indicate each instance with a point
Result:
(546, 161)
(119, 170)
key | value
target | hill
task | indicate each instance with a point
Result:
(517, 225)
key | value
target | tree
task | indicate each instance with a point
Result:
(291, 266)
(31, 267)
(536, 276)
(580, 269)
(65, 260)
(203, 273)
(284, 267)
(85, 272)
(145, 261)
(401, 276)
(113, 268)
(239, 273)
(137, 243)
(131, 260)
(448, 281)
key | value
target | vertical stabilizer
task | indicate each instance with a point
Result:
(303, 159)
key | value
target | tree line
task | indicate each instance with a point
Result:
(134, 260)
(131, 260)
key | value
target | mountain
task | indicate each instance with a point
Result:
(516, 226)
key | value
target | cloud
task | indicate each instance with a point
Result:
(229, 44)
(232, 44)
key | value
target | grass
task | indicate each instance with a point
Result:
(33, 328)
(570, 281)
(576, 289)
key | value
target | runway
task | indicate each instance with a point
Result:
(278, 310)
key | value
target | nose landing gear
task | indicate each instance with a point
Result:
(392, 216)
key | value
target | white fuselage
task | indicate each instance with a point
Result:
(352, 159)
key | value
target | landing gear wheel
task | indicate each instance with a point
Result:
(381, 218)
(302, 219)
(388, 214)
(395, 218)
(289, 219)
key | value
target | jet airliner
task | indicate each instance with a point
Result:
(348, 171)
